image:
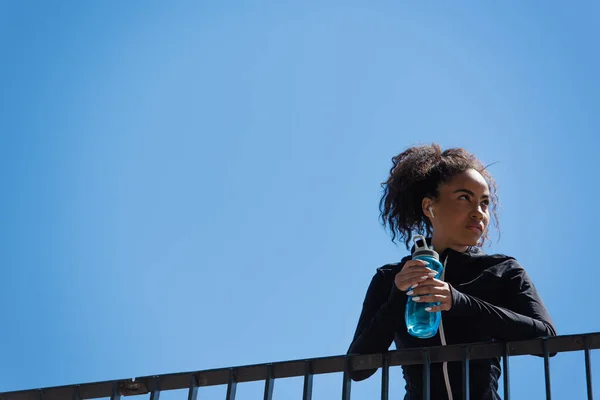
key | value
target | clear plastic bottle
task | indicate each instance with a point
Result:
(419, 322)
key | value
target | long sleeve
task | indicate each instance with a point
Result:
(525, 316)
(383, 306)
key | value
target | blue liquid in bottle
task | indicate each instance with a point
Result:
(420, 323)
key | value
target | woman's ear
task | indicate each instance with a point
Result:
(427, 206)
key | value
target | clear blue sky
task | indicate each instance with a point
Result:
(191, 185)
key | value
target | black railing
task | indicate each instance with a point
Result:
(307, 368)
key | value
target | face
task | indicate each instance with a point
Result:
(460, 213)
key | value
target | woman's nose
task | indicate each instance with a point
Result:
(477, 213)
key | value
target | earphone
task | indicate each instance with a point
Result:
(431, 212)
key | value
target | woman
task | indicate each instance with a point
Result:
(447, 196)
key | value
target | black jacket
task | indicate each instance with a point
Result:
(493, 298)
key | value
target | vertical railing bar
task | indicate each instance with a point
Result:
(547, 369)
(231, 385)
(426, 374)
(385, 377)
(269, 383)
(76, 395)
(193, 392)
(465, 370)
(347, 384)
(308, 382)
(588, 369)
(115, 395)
(155, 393)
(505, 371)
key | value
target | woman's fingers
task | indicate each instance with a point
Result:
(406, 284)
(428, 286)
(413, 273)
(414, 263)
(441, 307)
(412, 279)
(433, 291)
(432, 298)
(443, 302)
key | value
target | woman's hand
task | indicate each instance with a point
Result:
(431, 291)
(413, 274)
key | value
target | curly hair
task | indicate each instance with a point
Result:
(417, 173)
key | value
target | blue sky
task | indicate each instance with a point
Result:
(192, 185)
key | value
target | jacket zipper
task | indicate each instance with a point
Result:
(443, 338)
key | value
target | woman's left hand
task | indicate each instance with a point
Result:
(431, 291)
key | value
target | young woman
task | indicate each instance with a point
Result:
(449, 197)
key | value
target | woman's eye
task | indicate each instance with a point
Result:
(485, 203)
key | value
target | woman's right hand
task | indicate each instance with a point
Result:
(413, 273)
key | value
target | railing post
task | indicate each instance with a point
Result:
(269, 383)
(588, 369)
(385, 377)
(115, 395)
(231, 385)
(426, 374)
(347, 385)
(308, 382)
(547, 369)
(76, 394)
(193, 391)
(465, 371)
(155, 394)
(505, 371)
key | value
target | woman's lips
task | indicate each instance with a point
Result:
(475, 228)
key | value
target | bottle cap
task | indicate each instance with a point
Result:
(421, 248)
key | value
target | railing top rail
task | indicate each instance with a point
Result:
(294, 368)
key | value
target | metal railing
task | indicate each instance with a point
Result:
(307, 368)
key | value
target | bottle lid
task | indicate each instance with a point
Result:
(421, 248)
